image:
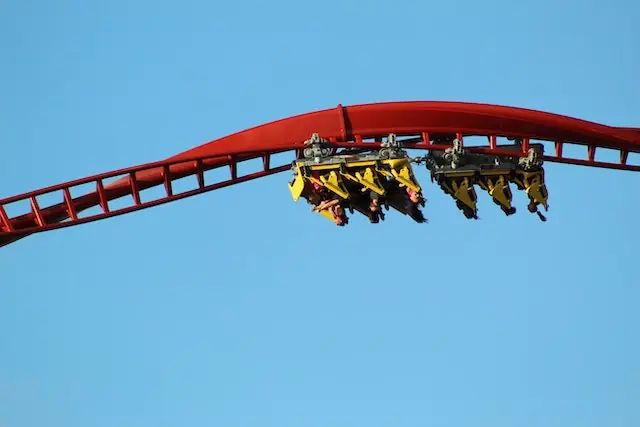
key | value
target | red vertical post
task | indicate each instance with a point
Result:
(68, 200)
(5, 219)
(104, 202)
(36, 211)
(559, 149)
(166, 177)
(233, 167)
(624, 155)
(199, 173)
(426, 139)
(135, 191)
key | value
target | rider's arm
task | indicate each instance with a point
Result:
(327, 204)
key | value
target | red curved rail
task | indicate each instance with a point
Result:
(353, 126)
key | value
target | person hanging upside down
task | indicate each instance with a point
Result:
(533, 208)
(415, 199)
(375, 213)
(334, 206)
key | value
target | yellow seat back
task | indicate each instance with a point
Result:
(401, 171)
(297, 187)
(464, 191)
(334, 183)
(534, 186)
(498, 188)
(369, 178)
(538, 192)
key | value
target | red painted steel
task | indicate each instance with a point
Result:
(409, 118)
(343, 127)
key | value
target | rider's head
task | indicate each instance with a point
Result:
(414, 196)
(339, 216)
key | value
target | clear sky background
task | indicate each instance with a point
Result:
(239, 307)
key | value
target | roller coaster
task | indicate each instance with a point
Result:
(354, 159)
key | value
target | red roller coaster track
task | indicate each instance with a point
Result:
(353, 126)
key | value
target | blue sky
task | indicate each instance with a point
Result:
(239, 307)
